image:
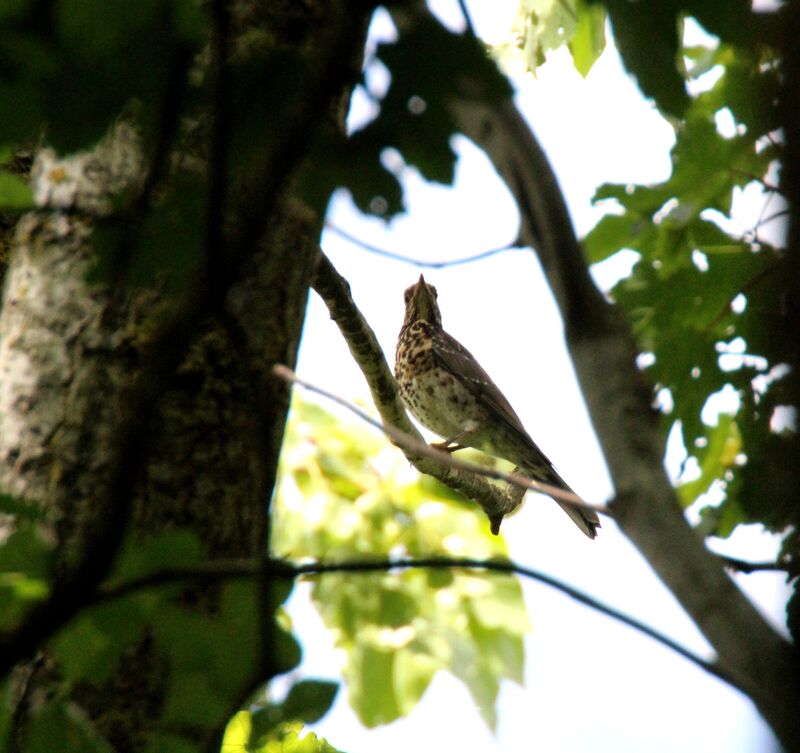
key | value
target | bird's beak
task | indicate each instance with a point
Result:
(425, 303)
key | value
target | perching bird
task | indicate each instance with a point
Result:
(448, 392)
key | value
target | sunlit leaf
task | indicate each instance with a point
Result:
(397, 629)
(589, 39)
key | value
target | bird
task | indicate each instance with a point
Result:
(447, 391)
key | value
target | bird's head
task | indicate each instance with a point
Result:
(421, 304)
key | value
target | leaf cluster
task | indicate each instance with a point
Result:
(344, 492)
(708, 305)
(210, 645)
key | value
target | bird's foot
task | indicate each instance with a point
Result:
(447, 446)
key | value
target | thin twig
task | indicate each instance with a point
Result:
(222, 569)
(743, 566)
(772, 217)
(414, 445)
(424, 263)
(467, 19)
(766, 185)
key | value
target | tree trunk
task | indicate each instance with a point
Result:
(71, 352)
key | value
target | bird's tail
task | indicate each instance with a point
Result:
(587, 520)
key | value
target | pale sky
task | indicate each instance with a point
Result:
(591, 683)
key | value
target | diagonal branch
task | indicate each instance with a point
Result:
(335, 292)
(415, 446)
(603, 351)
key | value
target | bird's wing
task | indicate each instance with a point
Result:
(458, 361)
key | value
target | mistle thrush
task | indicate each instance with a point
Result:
(448, 392)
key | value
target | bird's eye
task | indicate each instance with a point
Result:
(407, 295)
(435, 294)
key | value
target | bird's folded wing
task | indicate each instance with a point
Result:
(452, 356)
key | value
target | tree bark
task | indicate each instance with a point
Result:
(71, 351)
(75, 360)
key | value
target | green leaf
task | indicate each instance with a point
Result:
(612, 234)
(371, 683)
(99, 27)
(374, 189)
(15, 193)
(413, 672)
(25, 565)
(168, 742)
(646, 200)
(169, 549)
(212, 656)
(10, 505)
(732, 20)
(309, 700)
(288, 738)
(680, 305)
(724, 443)
(11, 8)
(415, 117)
(164, 245)
(589, 39)
(72, 73)
(544, 25)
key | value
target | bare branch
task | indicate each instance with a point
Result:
(335, 291)
(743, 566)
(226, 569)
(414, 446)
(748, 285)
(765, 184)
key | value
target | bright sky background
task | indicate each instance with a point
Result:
(591, 683)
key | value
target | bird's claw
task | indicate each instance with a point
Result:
(448, 446)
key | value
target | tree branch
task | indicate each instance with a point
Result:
(743, 566)
(226, 569)
(416, 447)
(604, 351)
(335, 292)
